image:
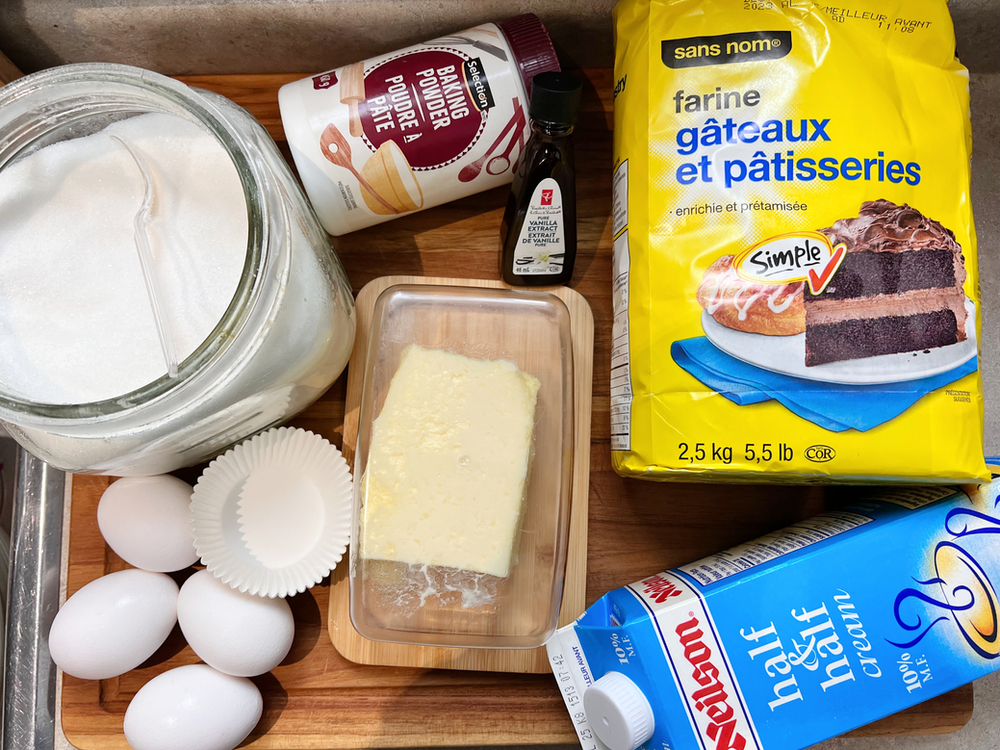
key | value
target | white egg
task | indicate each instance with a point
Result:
(113, 624)
(147, 521)
(237, 633)
(193, 708)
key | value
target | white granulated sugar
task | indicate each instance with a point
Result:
(75, 321)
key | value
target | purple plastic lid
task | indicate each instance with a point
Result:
(532, 48)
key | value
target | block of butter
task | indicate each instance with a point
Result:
(445, 480)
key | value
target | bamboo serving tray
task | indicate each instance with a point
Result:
(319, 699)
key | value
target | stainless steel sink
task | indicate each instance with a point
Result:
(32, 511)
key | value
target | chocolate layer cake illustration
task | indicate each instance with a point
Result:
(899, 288)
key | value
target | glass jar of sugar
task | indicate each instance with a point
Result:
(165, 287)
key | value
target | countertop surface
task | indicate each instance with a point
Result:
(290, 36)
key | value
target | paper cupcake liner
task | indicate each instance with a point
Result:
(272, 516)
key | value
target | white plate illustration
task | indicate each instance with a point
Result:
(787, 355)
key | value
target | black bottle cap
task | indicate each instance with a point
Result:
(555, 98)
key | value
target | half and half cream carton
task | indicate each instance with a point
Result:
(797, 636)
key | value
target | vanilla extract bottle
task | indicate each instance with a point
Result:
(538, 233)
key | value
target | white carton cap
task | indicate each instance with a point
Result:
(619, 712)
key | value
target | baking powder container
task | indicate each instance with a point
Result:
(417, 127)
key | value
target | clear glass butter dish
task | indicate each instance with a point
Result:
(463, 468)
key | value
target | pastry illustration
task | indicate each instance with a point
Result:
(773, 310)
(899, 288)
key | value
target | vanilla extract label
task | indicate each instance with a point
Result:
(541, 246)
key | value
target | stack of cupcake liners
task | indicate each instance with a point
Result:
(272, 516)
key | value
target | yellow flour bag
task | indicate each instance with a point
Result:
(796, 292)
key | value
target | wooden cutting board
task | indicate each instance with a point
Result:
(319, 699)
(346, 639)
